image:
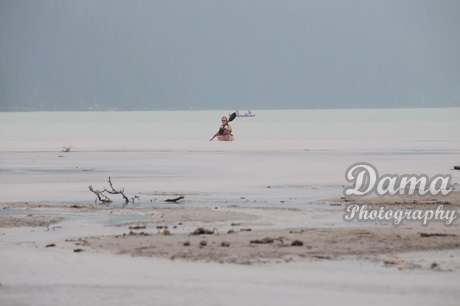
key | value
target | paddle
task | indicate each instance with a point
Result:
(230, 119)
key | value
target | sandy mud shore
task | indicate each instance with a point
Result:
(246, 247)
(239, 235)
(75, 254)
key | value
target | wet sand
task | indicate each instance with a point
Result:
(243, 235)
(29, 221)
(74, 254)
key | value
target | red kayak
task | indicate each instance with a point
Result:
(225, 137)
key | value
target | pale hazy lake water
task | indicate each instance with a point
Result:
(301, 155)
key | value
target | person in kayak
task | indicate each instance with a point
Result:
(225, 128)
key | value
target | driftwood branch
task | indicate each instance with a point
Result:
(105, 199)
(114, 191)
(174, 200)
(100, 195)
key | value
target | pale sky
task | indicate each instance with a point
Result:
(210, 54)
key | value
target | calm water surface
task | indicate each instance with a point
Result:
(301, 155)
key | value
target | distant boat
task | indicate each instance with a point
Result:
(248, 114)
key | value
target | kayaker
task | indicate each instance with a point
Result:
(225, 128)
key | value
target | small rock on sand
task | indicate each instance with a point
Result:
(297, 243)
(203, 231)
(263, 241)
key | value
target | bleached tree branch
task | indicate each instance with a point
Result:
(100, 195)
(114, 191)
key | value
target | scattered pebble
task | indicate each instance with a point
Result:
(263, 241)
(165, 232)
(203, 231)
(297, 243)
(131, 233)
(321, 257)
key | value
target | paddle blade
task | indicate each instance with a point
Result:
(232, 116)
